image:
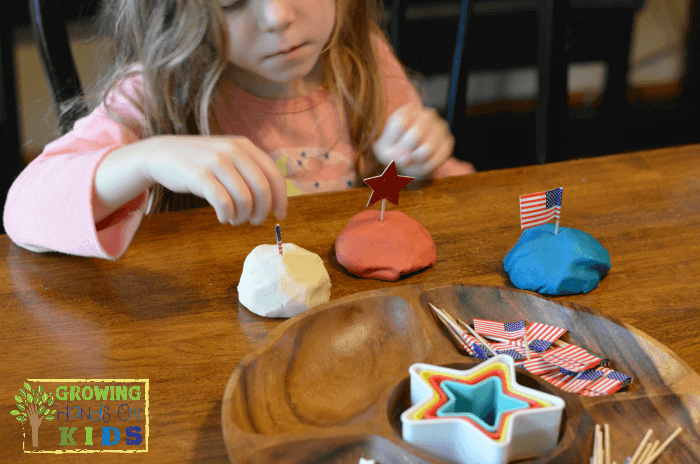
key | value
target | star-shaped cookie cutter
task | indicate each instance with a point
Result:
(439, 398)
(525, 433)
(486, 403)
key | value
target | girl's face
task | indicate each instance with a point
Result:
(274, 45)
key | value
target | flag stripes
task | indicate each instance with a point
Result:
(540, 208)
(507, 330)
(572, 358)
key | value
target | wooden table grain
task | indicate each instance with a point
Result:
(167, 311)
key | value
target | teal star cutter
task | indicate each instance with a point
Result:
(485, 402)
(530, 432)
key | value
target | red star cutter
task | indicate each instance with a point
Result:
(386, 187)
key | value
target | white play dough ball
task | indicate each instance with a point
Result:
(283, 286)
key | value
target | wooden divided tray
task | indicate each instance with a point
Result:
(329, 386)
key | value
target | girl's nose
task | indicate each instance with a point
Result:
(275, 15)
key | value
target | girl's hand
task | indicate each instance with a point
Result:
(417, 139)
(236, 177)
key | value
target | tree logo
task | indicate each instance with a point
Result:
(35, 405)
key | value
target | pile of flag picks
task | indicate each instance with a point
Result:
(536, 348)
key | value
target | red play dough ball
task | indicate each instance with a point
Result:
(384, 250)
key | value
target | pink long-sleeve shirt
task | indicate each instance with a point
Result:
(52, 206)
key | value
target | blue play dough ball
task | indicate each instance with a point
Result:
(568, 263)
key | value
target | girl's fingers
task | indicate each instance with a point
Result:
(420, 130)
(386, 142)
(438, 158)
(435, 137)
(218, 197)
(386, 147)
(277, 183)
(258, 187)
(440, 155)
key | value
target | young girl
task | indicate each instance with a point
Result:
(212, 100)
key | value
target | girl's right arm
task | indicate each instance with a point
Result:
(238, 179)
(57, 204)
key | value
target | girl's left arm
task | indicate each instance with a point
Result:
(415, 137)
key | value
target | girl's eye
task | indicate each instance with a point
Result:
(237, 4)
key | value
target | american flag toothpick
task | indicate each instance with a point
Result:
(278, 233)
(540, 208)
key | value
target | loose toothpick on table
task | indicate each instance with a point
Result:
(668, 441)
(646, 453)
(601, 445)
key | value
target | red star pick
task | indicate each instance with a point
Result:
(387, 185)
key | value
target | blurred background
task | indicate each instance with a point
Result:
(502, 86)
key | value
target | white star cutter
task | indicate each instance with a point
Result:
(528, 433)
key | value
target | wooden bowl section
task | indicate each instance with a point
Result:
(330, 384)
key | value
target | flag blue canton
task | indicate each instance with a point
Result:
(554, 198)
(513, 326)
(619, 376)
(512, 353)
(479, 351)
(591, 375)
(539, 345)
(568, 372)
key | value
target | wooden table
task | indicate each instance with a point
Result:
(168, 310)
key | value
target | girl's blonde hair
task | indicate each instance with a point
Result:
(180, 48)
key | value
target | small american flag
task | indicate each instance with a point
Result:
(506, 346)
(475, 348)
(278, 233)
(538, 366)
(540, 208)
(515, 354)
(541, 336)
(572, 358)
(610, 383)
(584, 379)
(507, 330)
(559, 377)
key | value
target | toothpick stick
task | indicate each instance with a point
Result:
(452, 332)
(448, 320)
(643, 457)
(607, 443)
(664, 446)
(477, 336)
(594, 457)
(457, 328)
(556, 229)
(599, 451)
(447, 317)
(381, 217)
(652, 450)
(641, 446)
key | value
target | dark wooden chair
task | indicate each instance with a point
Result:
(9, 124)
(690, 92)
(560, 39)
(49, 28)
